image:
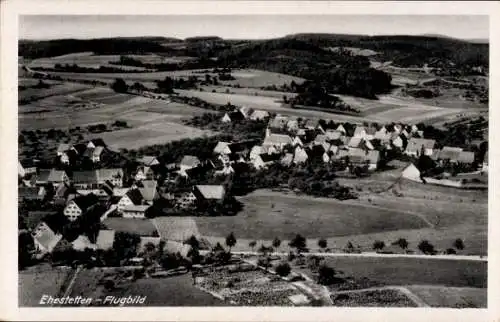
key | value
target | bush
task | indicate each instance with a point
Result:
(427, 248)
(378, 245)
(326, 275)
(283, 269)
(459, 244)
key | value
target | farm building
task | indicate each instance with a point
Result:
(82, 242)
(79, 205)
(148, 160)
(411, 172)
(278, 141)
(232, 117)
(418, 146)
(45, 239)
(144, 173)
(105, 239)
(134, 211)
(259, 115)
(466, 157)
(94, 143)
(246, 111)
(31, 193)
(94, 179)
(53, 176)
(188, 162)
(287, 159)
(279, 122)
(133, 197)
(300, 156)
(209, 192)
(264, 160)
(25, 168)
(222, 148)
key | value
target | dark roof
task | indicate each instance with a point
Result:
(270, 157)
(242, 145)
(80, 148)
(85, 176)
(98, 142)
(236, 116)
(135, 196)
(87, 201)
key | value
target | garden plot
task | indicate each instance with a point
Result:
(248, 288)
(373, 298)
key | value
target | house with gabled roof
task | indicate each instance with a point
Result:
(222, 148)
(209, 192)
(246, 111)
(148, 160)
(293, 124)
(188, 162)
(259, 149)
(149, 191)
(287, 159)
(279, 122)
(25, 167)
(341, 128)
(105, 239)
(63, 147)
(94, 143)
(44, 238)
(297, 141)
(333, 135)
(259, 115)
(82, 242)
(53, 176)
(358, 142)
(133, 197)
(31, 193)
(300, 155)
(278, 141)
(264, 160)
(416, 147)
(466, 157)
(144, 173)
(79, 205)
(450, 154)
(235, 116)
(226, 170)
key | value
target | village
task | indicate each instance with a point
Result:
(108, 201)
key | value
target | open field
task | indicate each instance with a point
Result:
(143, 227)
(452, 297)
(37, 281)
(176, 228)
(171, 291)
(408, 271)
(149, 134)
(270, 104)
(53, 90)
(278, 215)
(86, 281)
(85, 59)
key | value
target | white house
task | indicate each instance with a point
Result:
(222, 148)
(78, 206)
(133, 197)
(279, 141)
(188, 162)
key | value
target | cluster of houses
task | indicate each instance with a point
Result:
(288, 140)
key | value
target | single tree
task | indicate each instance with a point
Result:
(349, 248)
(276, 242)
(230, 241)
(402, 242)
(322, 243)
(193, 242)
(425, 247)
(252, 244)
(299, 242)
(119, 86)
(326, 275)
(378, 245)
(459, 244)
(283, 269)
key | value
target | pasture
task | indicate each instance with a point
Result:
(37, 281)
(411, 271)
(452, 297)
(266, 216)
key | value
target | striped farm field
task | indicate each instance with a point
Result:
(452, 297)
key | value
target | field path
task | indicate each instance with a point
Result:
(373, 254)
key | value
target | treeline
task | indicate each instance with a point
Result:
(166, 67)
(74, 68)
(103, 46)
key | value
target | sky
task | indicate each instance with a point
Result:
(249, 26)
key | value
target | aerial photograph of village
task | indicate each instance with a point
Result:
(253, 161)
